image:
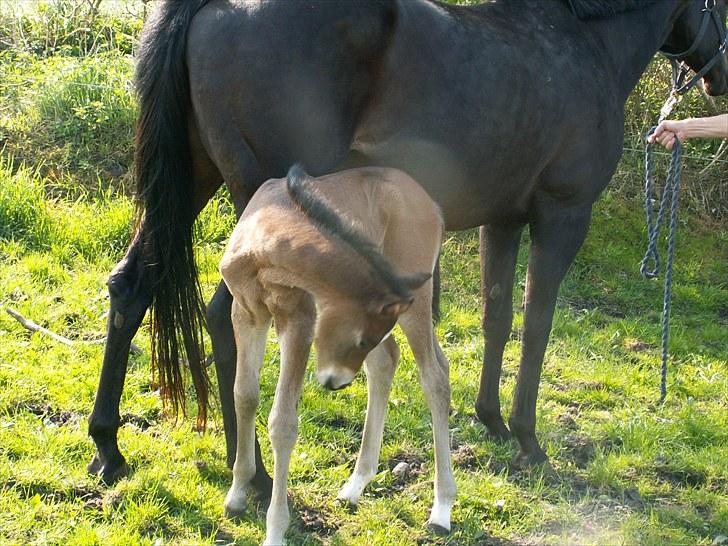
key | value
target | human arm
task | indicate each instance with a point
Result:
(708, 127)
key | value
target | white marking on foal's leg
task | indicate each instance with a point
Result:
(380, 365)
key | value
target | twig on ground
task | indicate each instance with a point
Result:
(34, 327)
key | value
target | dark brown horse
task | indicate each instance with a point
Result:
(509, 114)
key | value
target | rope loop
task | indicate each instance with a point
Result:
(650, 265)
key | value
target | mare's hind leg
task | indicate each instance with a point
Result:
(498, 254)
(434, 376)
(129, 301)
(380, 365)
(556, 236)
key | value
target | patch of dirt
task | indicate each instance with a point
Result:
(578, 449)
(50, 415)
(465, 456)
(91, 497)
(633, 499)
(138, 421)
(681, 476)
(223, 537)
(312, 520)
(635, 345)
(567, 418)
(415, 467)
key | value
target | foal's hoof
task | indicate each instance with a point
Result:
(347, 504)
(109, 473)
(235, 506)
(526, 459)
(438, 530)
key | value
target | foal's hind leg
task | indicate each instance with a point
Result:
(556, 235)
(380, 366)
(223, 346)
(250, 337)
(498, 253)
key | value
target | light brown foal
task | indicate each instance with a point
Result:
(338, 261)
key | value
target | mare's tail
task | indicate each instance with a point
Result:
(164, 187)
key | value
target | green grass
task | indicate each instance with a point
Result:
(625, 469)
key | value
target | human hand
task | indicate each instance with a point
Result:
(666, 133)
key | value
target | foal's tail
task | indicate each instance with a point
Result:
(166, 205)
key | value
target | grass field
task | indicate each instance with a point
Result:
(625, 470)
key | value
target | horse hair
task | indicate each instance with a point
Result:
(600, 9)
(162, 161)
(324, 216)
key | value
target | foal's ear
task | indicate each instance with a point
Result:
(395, 306)
(415, 281)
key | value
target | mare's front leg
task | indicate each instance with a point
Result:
(434, 376)
(295, 334)
(250, 337)
(380, 365)
(130, 298)
(557, 233)
(498, 254)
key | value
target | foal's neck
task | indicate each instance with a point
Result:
(325, 266)
(631, 40)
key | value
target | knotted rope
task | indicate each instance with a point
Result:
(670, 192)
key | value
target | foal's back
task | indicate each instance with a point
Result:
(385, 205)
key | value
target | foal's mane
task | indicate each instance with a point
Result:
(326, 218)
(599, 9)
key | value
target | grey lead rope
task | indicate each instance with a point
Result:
(654, 225)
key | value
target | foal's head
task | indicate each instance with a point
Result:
(348, 328)
(698, 37)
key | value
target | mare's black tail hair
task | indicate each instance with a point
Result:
(165, 202)
(324, 216)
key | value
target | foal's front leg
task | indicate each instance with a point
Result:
(380, 365)
(295, 336)
(434, 376)
(250, 338)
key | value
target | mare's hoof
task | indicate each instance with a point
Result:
(262, 488)
(494, 425)
(526, 459)
(438, 530)
(498, 433)
(109, 473)
(95, 466)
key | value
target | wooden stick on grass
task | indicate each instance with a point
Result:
(34, 327)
